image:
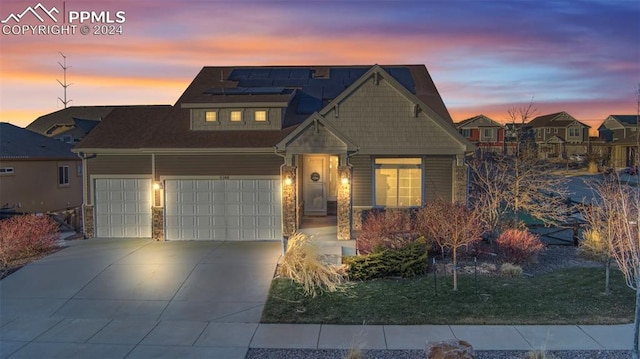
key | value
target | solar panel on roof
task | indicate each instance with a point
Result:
(279, 74)
(239, 74)
(255, 83)
(403, 76)
(260, 74)
(315, 88)
(247, 91)
(301, 74)
(332, 90)
(308, 104)
(357, 72)
(338, 73)
(290, 82)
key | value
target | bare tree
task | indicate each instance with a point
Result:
(452, 226)
(518, 183)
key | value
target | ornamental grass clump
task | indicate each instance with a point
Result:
(510, 270)
(301, 263)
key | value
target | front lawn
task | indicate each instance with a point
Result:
(564, 296)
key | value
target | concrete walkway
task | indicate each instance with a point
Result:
(145, 299)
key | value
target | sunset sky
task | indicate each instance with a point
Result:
(485, 56)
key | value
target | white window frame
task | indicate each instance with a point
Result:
(577, 132)
(399, 167)
(264, 117)
(465, 132)
(63, 175)
(488, 138)
(212, 118)
(7, 170)
(232, 116)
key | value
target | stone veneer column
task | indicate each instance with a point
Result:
(460, 183)
(157, 223)
(87, 218)
(289, 192)
(344, 202)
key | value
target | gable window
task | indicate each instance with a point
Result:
(211, 116)
(260, 116)
(548, 130)
(574, 132)
(466, 132)
(398, 182)
(236, 116)
(63, 175)
(7, 170)
(555, 130)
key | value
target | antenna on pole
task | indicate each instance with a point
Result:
(64, 83)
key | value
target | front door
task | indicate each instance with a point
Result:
(315, 182)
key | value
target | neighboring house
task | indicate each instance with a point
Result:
(37, 173)
(487, 134)
(248, 152)
(559, 135)
(71, 124)
(620, 133)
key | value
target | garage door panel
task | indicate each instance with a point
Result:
(123, 207)
(231, 209)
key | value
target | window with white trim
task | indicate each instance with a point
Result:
(211, 116)
(466, 132)
(63, 175)
(398, 182)
(260, 116)
(235, 116)
(7, 170)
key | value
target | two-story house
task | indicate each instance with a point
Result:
(559, 135)
(487, 134)
(621, 135)
(249, 152)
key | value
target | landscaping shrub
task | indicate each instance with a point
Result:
(302, 264)
(408, 261)
(26, 236)
(384, 230)
(518, 246)
(511, 270)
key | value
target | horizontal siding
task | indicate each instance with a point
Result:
(116, 165)
(119, 165)
(218, 165)
(439, 177)
(362, 184)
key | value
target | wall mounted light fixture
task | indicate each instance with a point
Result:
(288, 181)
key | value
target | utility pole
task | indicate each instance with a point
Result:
(64, 83)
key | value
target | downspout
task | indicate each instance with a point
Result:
(83, 156)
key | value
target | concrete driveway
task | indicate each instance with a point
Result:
(137, 299)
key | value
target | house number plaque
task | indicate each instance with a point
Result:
(315, 176)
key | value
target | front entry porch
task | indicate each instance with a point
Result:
(325, 231)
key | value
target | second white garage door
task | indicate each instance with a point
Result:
(230, 209)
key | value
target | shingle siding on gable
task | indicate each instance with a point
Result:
(368, 114)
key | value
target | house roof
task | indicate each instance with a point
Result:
(85, 125)
(20, 143)
(67, 116)
(125, 127)
(477, 121)
(306, 88)
(558, 119)
(301, 89)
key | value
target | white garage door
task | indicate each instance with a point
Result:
(231, 209)
(123, 207)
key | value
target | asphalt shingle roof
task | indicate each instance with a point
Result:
(20, 143)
